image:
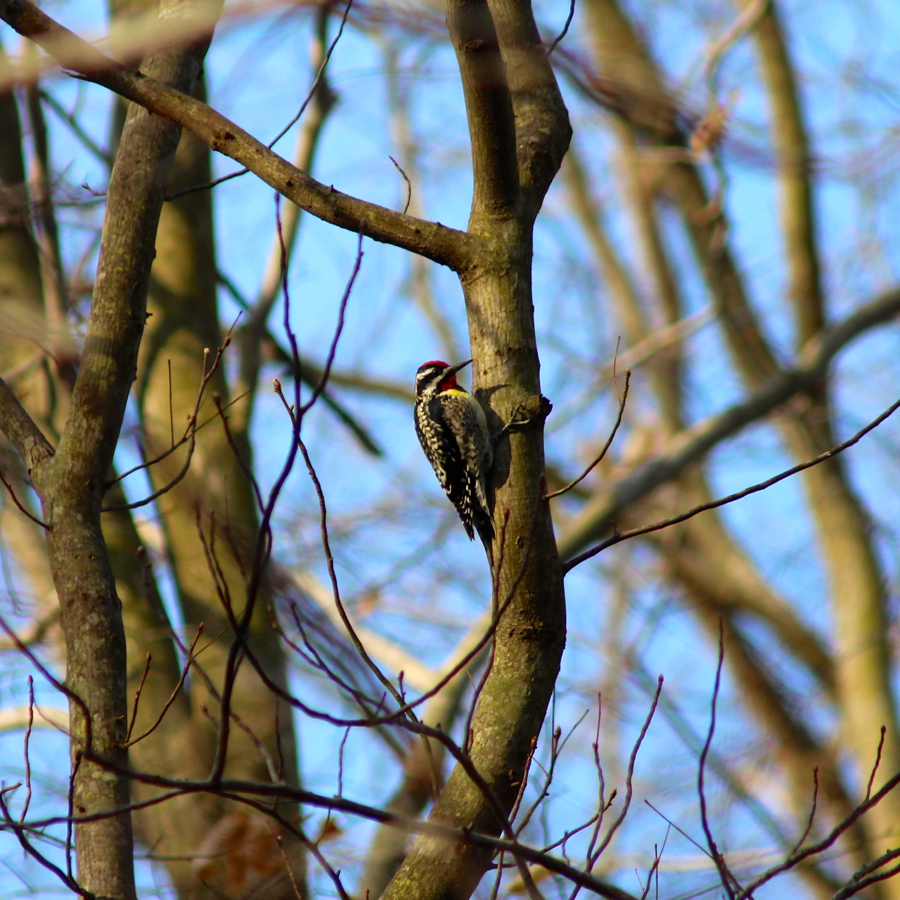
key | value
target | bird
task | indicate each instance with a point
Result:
(453, 432)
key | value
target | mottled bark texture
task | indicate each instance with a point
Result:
(210, 524)
(518, 124)
(72, 482)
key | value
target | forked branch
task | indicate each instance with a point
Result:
(444, 245)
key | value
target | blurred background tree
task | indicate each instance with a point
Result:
(721, 226)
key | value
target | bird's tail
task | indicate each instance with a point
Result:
(484, 525)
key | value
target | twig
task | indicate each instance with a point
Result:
(28, 728)
(242, 463)
(606, 446)
(240, 648)
(190, 436)
(77, 130)
(594, 855)
(298, 895)
(263, 548)
(681, 831)
(408, 184)
(868, 874)
(523, 782)
(730, 498)
(55, 682)
(171, 412)
(314, 658)
(745, 22)
(654, 869)
(725, 875)
(332, 574)
(19, 831)
(812, 810)
(189, 659)
(18, 503)
(137, 699)
(241, 791)
(645, 349)
(35, 632)
(562, 34)
(147, 463)
(877, 762)
(397, 715)
(296, 418)
(340, 790)
(339, 327)
(556, 748)
(309, 374)
(70, 817)
(678, 721)
(309, 96)
(814, 849)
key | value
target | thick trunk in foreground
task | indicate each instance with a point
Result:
(519, 131)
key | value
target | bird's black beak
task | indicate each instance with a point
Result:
(452, 370)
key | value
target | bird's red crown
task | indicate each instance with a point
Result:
(450, 381)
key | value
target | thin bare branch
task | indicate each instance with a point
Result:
(22, 509)
(565, 28)
(828, 841)
(241, 790)
(812, 812)
(606, 446)
(727, 879)
(746, 492)
(437, 242)
(189, 660)
(595, 854)
(189, 437)
(690, 446)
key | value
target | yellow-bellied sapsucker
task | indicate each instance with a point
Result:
(453, 433)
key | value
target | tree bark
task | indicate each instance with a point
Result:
(516, 121)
